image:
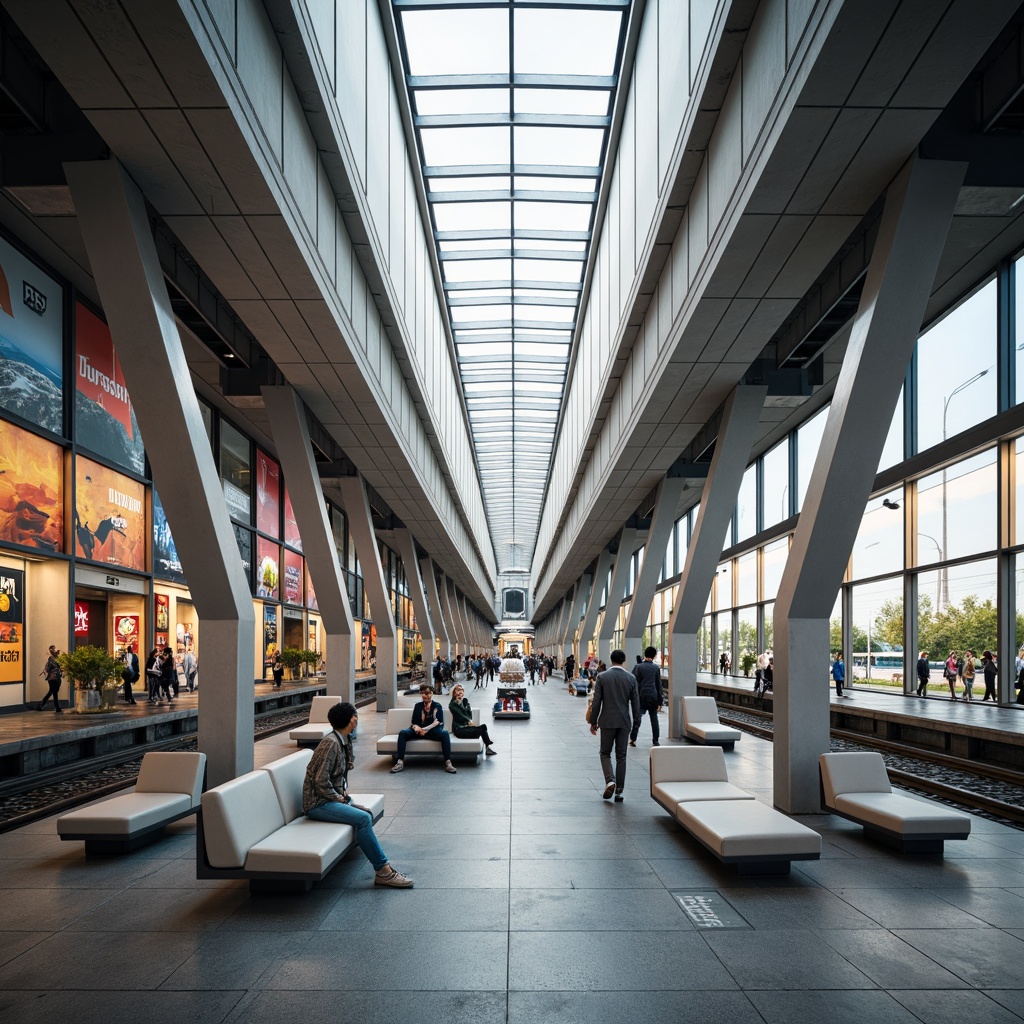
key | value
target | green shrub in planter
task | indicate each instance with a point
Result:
(747, 662)
(96, 675)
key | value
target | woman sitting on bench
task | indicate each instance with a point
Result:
(463, 725)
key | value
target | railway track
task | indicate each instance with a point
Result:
(996, 793)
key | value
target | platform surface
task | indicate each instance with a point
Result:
(570, 908)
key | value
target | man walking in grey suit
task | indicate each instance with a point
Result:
(615, 696)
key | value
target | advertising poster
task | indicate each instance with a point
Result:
(31, 341)
(268, 495)
(269, 634)
(126, 632)
(12, 625)
(110, 516)
(311, 593)
(165, 555)
(31, 490)
(292, 578)
(104, 417)
(81, 620)
(268, 572)
(291, 528)
(243, 538)
(162, 612)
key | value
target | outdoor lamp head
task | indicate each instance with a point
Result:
(887, 503)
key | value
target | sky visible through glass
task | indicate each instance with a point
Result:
(512, 108)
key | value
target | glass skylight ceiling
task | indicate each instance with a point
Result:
(512, 105)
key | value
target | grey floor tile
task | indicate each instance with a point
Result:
(849, 1007)
(1010, 998)
(89, 1007)
(356, 1007)
(181, 874)
(908, 908)
(596, 909)
(888, 961)
(13, 944)
(33, 910)
(784, 959)
(380, 963)
(591, 847)
(982, 959)
(236, 960)
(997, 907)
(593, 961)
(615, 1007)
(555, 825)
(412, 910)
(282, 912)
(77, 872)
(795, 908)
(406, 850)
(444, 824)
(577, 873)
(162, 910)
(955, 1008)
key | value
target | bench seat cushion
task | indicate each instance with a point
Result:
(303, 846)
(389, 745)
(747, 829)
(373, 802)
(712, 732)
(237, 815)
(668, 794)
(124, 815)
(312, 732)
(905, 815)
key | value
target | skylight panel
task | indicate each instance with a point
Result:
(571, 147)
(525, 181)
(554, 216)
(566, 42)
(479, 145)
(467, 101)
(563, 101)
(470, 216)
(549, 270)
(478, 270)
(461, 41)
(440, 186)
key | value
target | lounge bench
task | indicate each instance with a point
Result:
(310, 734)
(253, 827)
(169, 787)
(682, 774)
(701, 724)
(856, 786)
(401, 718)
(692, 784)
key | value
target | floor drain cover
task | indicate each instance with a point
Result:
(709, 909)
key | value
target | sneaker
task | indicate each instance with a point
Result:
(490, 752)
(399, 766)
(392, 879)
(450, 768)
(618, 796)
(609, 788)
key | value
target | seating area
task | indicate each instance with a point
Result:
(692, 784)
(310, 734)
(701, 724)
(855, 786)
(253, 828)
(168, 788)
(401, 718)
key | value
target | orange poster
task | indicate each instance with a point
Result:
(31, 490)
(110, 516)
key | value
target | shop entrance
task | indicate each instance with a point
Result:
(90, 617)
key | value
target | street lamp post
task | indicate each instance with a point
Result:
(945, 539)
(938, 577)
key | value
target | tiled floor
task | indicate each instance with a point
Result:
(535, 901)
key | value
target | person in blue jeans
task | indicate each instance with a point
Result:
(427, 724)
(839, 673)
(325, 793)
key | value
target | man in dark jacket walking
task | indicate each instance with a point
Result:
(615, 699)
(52, 674)
(648, 683)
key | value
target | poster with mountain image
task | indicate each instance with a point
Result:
(31, 341)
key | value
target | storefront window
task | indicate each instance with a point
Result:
(166, 563)
(235, 472)
(243, 538)
(776, 484)
(268, 495)
(268, 569)
(292, 590)
(956, 361)
(956, 510)
(879, 545)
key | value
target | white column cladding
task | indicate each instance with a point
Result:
(663, 521)
(915, 220)
(360, 523)
(291, 436)
(122, 255)
(616, 592)
(437, 616)
(449, 616)
(593, 605)
(718, 502)
(407, 549)
(582, 592)
(453, 606)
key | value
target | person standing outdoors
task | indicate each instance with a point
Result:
(53, 675)
(988, 667)
(839, 673)
(130, 674)
(923, 674)
(648, 684)
(950, 672)
(615, 699)
(967, 674)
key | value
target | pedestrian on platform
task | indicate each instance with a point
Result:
(923, 674)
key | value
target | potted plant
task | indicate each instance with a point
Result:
(747, 662)
(312, 659)
(293, 659)
(96, 676)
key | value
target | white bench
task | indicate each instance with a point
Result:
(701, 724)
(401, 718)
(310, 734)
(169, 786)
(253, 827)
(692, 784)
(682, 774)
(856, 786)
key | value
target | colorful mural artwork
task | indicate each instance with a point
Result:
(31, 490)
(110, 516)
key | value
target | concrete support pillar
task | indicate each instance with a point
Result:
(616, 591)
(434, 603)
(291, 435)
(586, 633)
(407, 549)
(915, 220)
(360, 523)
(718, 502)
(453, 607)
(580, 596)
(449, 616)
(666, 507)
(122, 255)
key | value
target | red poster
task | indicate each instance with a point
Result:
(81, 619)
(97, 372)
(126, 632)
(291, 528)
(163, 612)
(268, 495)
(292, 578)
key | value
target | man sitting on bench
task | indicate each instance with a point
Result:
(427, 724)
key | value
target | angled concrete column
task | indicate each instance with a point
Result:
(449, 616)
(470, 620)
(915, 220)
(590, 618)
(360, 523)
(434, 603)
(616, 591)
(718, 502)
(670, 491)
(291, 435)
(580, 596)
(453, 607)
(407, 549)
(561, 624)
(115, 226)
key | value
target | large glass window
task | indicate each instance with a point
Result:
(808, 441)
(723, 661)
(877, 634)
(746, 578)
(776, 484)
(775, 556)
(956, 361)
(236, 471)
(879, 545)
(956, 509)
(746, 646)
(746, 505)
